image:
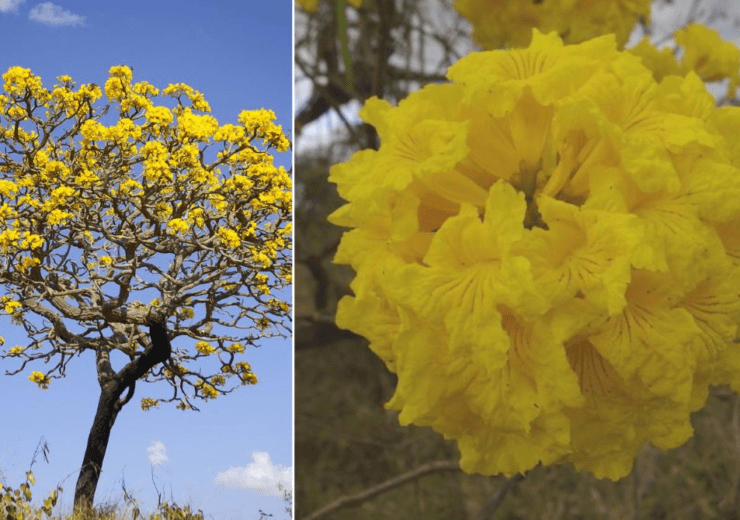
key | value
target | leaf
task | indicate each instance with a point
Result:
(26, 491)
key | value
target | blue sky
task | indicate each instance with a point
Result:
(226, 458)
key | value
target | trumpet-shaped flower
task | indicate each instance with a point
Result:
(547, 256)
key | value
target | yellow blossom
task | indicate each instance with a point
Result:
(196, 127)
(177, 226)
(58, 216)
(18, 80)
(204, 348)
(187, 313)
(236, 347)
(119, 83)
(40, 379)
(8, 238)
(27, 262)
(228, 237)
(311, 6)
(93, 131)
(159, 115)
(509, 23)
(12, 306)
(207, 390)
(147, 403)
(31, 241)
(545, 255)
(8, 188)
(704, 52)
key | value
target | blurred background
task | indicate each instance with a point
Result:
(352, 459)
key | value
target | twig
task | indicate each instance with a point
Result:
(489, 508)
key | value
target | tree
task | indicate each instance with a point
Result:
(136, 213)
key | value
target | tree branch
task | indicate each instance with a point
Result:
(364, 496)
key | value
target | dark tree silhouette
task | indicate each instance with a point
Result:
(110, 403)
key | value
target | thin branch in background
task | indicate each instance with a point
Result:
(368, 494)
(489, 508)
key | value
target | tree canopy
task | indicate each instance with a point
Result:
(142, 207)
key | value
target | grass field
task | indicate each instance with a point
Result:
(16, 504)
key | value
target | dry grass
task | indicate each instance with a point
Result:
(15, 504)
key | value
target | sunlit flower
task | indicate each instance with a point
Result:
(204, 348)
(546, 255)
(40, 379)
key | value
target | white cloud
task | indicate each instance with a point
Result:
(10, 6)
(261, 476)
(157, 454)
(52, 14)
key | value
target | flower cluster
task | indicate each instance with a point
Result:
(509, 23)
(547, 254)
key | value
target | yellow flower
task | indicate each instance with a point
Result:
(8, 188)
(31, 241)
(704, 52)
(208, 391)
(58, 216)
(11, 306)
(236, 347)
(204, 348)
(118, 84)
(40, 379)
(8, 238)
(196, 127)
(27, 262)
(159, 115)
(546, 254)
(177, 226)
(311, 6)
(509, 23)
(228, 237)
(147, 403)
(18, 79)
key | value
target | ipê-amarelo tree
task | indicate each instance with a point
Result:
(162, 204)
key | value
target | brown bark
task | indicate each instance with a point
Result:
(109, 404)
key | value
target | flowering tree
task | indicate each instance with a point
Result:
(136, 213)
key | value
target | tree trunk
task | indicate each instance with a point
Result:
(109, 404)
(97, 443)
